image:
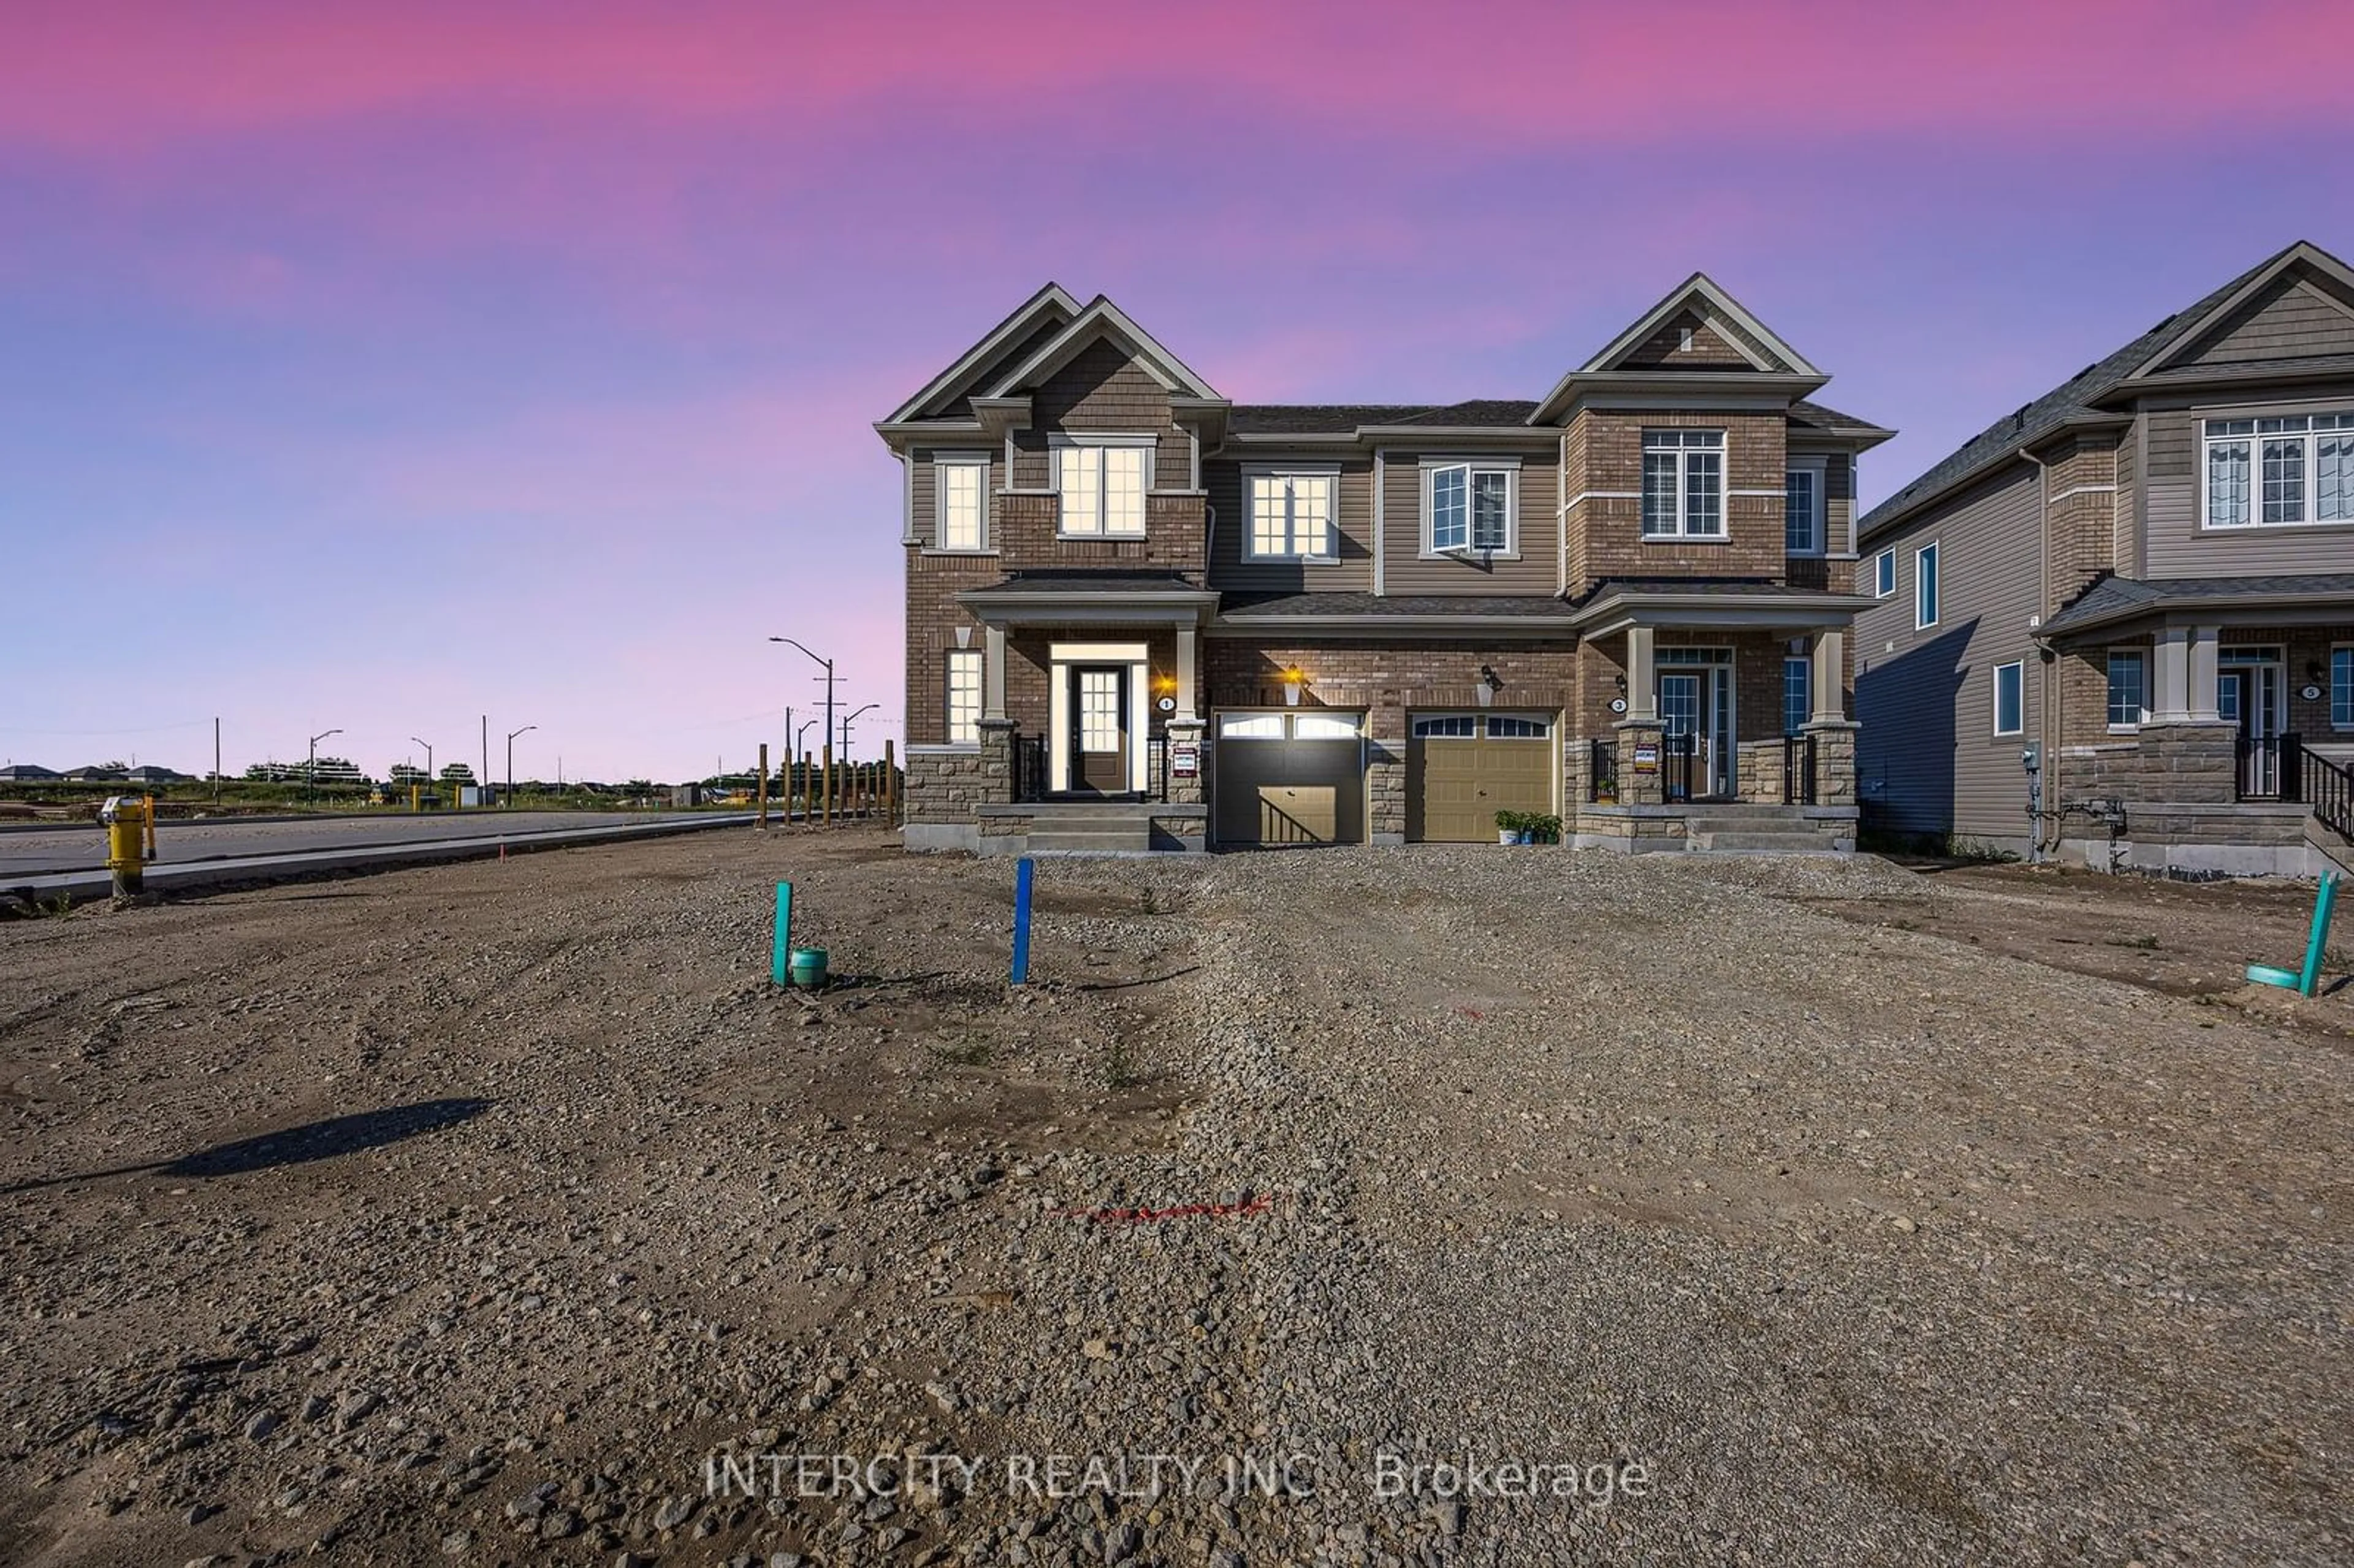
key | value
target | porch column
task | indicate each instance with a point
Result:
(2205, 660)
(2170, 697)
(993, 673)
(1830, 676)
(1187, 639)
(1643, 677)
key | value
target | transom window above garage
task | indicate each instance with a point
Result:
(1292, 514)
(1291, 726)
(1472, 727)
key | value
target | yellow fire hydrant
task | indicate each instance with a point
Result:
(127, 843)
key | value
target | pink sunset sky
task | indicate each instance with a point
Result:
(381, 367)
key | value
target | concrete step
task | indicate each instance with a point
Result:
(1709, 823)
(1749, 809)
(1073, 841)
(1762, 842)
(2336, 849)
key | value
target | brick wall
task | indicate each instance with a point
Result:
(1103, 391)
(1025, 528)
(933, 616)
(2082, 477)
(1388, 678)
(1606, 538)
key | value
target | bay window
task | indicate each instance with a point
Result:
(2129, 670)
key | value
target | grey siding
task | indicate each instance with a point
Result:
(1222, 477)
(1927, 757)
(1537, 568)
(2174, 544)
(2125, 546)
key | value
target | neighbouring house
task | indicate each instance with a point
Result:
(1142, 615)
(2142, 584)
(27, 773)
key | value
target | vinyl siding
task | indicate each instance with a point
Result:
(1404, 571)
(2295, 323)
(1229, 569)
(927, 490)
(2175, 546)
(1927, 757)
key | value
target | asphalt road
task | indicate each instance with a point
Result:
(35, 851)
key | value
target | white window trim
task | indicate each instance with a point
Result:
(1888, 558)
(2143, 655)
(947, 695)
(2255, 437)
(1510, 467)
(1819, 468)
(2020, 728)
(1806, 663)
(1934, 547)
(2330, 694)
(942, 461)
(1683, 532)
(1056, 442)
(1251, 552)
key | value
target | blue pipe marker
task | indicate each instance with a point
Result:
(784, 948)
(2304, 980)
(1021, 921)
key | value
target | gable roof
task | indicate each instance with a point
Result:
(1104, 319)
(1702, 294)
(1052, 305)
(2218, 308)
(2110, 600)
(2078, 399)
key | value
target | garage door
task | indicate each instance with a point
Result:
(1290, 779)
(1462, 768)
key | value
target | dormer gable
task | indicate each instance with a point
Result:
(1102, 321)
(1035, 323)
(1697, 329)
(2298, 305)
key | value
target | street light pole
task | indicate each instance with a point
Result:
(311, 768)
(828, 731)
(527, 729)
(428, 755)
(847, 721)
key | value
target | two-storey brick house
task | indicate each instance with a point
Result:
(1140, 614)
(2143, 581)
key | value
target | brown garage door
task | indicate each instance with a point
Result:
(1462, 768)
(1290, 779)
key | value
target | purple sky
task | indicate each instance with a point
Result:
(381, 367)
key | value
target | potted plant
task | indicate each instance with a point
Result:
(1511, 827)
(1541, 827)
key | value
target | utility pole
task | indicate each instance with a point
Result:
(788, 765)
(486, 751)
(828, 731)
(527, 729)
(847, 720)
(216, 762)
(311, 770)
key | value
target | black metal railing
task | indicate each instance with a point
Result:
(1602, 771)
(1029, 767)
(1679, 758)
(2267, 768)
(1156, 767)
(2328, 788)
(1798, 770)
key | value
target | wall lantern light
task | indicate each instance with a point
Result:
(1292, 680)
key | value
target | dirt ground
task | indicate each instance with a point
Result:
(1324, 1208)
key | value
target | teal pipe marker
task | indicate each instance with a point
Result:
(783, 953)
(1021, 921)
(2306, 980)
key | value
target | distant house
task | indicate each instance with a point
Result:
(2142, 582)
(99, 773)
(25, 773)
(147, 773)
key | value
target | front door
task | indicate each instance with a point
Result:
(2249, 696)
(1696, 733)
(1100, 738)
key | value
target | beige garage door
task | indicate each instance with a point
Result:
(1290, 779)
(1462, 768)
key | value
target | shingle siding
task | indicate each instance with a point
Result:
(2293, 323)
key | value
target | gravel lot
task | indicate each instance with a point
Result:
(1814, 1211)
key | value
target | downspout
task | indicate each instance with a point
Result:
(2047, 709)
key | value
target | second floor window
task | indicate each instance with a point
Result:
(1683, 484)
(1291, 516)
(2268, 472)
(1802, 512)
(1883, 574)
(963, 485)
(964, 696)
(1925, 588)
(1470, 507)
(1102, 485)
